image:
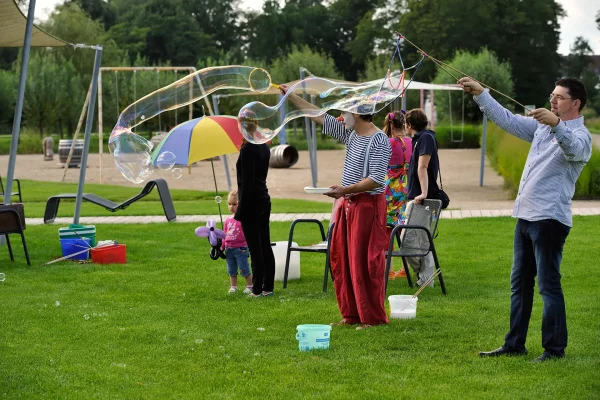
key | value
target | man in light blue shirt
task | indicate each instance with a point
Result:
(560, 147)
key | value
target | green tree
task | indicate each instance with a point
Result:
(265, 33)
(287, 68)
(219, 20)
(73, 25)
(486, 68)
(42, 90)
(579, 65)
(99, 10)
(8, 96)
(523, 33)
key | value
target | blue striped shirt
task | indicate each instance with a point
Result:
(556, 158)
(356, 146)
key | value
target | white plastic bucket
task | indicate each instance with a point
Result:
(403, 306)
(280, 253)
(313, 337)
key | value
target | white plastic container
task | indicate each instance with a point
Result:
(403, 306)
(280, 252)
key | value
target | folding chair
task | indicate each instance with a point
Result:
(322, 247)
(12, 220)
(17, 193)
(416, 239)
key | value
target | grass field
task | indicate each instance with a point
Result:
(162, 326)
(186, 202)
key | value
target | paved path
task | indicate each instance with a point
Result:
(446, 214)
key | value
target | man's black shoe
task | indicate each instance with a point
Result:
(503, 351)
(548, 356)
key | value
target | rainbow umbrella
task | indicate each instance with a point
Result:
(200, 139)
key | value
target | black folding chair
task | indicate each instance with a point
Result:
(322, 247)
(417, 238)
(17, 193)
(12, 220)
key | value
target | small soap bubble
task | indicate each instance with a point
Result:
(94, 314)
(121, 365)
(256, 354)
(198, 341)
(177, 173)
(2, 277)
(86, 317)
(218, 199)
(57, 303)
(166, 160)
(260, 329)
(143, 117)
(222, 347)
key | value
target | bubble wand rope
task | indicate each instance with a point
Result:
(440, 63)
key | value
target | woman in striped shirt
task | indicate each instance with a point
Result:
(359, 238)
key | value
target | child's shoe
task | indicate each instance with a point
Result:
(233, 289)
(248, 290)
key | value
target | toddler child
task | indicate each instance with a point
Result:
(236, 248)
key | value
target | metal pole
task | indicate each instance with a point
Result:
(88, 129)
(432, 108)
(215, 101)
(282, 137)
(483, 137)
(307, 128)
(19, 107)
(100, 144)
(313, 148)
(404, 100)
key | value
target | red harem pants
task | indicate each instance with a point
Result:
(357, 257)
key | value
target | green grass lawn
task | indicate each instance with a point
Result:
(163, 326)
(186, 202)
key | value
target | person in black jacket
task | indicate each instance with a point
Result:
(254, 211)
(422, 180)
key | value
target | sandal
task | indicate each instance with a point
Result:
(253, 295)
(266, 294)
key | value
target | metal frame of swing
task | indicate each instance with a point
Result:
(462, 127)
(190, 70)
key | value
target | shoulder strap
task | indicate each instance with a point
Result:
(367, 154)
(437, 148)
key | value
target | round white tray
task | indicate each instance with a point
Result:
(315, 190)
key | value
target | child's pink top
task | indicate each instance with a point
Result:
(234, 236)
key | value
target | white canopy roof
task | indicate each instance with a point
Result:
(12, 29)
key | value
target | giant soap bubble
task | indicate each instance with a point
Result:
(133, 153)
(259, 123)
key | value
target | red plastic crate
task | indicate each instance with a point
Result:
(116, 254)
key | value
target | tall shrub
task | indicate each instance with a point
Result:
(483, 66)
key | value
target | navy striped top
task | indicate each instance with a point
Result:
(379, 154)
(556, 158)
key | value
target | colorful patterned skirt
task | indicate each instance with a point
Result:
(396, 181)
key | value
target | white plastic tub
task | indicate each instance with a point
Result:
(403, 306)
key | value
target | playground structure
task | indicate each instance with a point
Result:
(310, 128)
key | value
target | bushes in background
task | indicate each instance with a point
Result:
(508, 155)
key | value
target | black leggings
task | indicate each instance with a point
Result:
(258, 238)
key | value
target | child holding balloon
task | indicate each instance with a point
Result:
(236, 248)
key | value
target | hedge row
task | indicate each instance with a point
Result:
(508, 155)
